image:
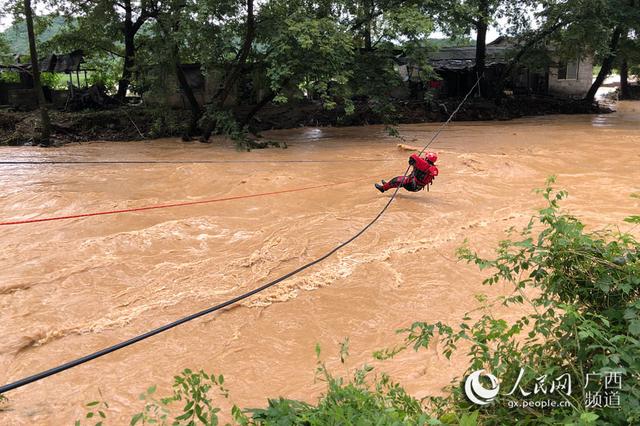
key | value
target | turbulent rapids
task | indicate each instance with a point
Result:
(71, 287)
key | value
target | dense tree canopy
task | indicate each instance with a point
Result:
(334, 51)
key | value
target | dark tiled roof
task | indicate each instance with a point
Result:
(457, 58)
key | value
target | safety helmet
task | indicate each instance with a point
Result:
(431, 157)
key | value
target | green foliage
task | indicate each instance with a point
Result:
(461, 41)
(348, 403)
(54, 80)
(166, 123)
(374, 77)
(5, 50)
(10, 77)
(359, 400)
(586, 25)
(307, 52)
(224, 123)
(356, 401)
(46, 28)
(344, 350)
(192, 390)
(632, 219)
(103, 53)
(4, 401)
(105, 70)
(460, 18)
(583, 291)
(155, 410)
(95, 412)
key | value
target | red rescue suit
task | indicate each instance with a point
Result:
(424, 171)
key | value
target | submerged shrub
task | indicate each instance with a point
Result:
(223, 122)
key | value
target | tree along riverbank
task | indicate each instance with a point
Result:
(146, 122)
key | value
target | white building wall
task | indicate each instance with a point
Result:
(572, 88)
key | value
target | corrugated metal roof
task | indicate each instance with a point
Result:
(69, 62)
(53, 63)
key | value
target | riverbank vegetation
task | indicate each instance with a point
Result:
(232, 59)
(574, 359)
(137, 123)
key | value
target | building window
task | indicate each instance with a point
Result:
(568, 70)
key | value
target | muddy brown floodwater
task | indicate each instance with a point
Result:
(68, 288)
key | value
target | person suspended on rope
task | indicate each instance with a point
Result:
(422, 175)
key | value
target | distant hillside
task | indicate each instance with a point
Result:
(16, 34)
(48, 26)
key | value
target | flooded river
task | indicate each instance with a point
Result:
(71, 287)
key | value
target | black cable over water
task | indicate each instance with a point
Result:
(455, 111)
(121, 345)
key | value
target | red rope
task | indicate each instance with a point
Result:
(164, 206)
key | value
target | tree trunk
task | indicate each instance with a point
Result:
(368, 42)
(256, 108)
(269, 97)
(233, 76)
(129, 53)
(481, 48)
(624, 80)
(607, 64)
(35, 70)
(481, 44)
(196, 111)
